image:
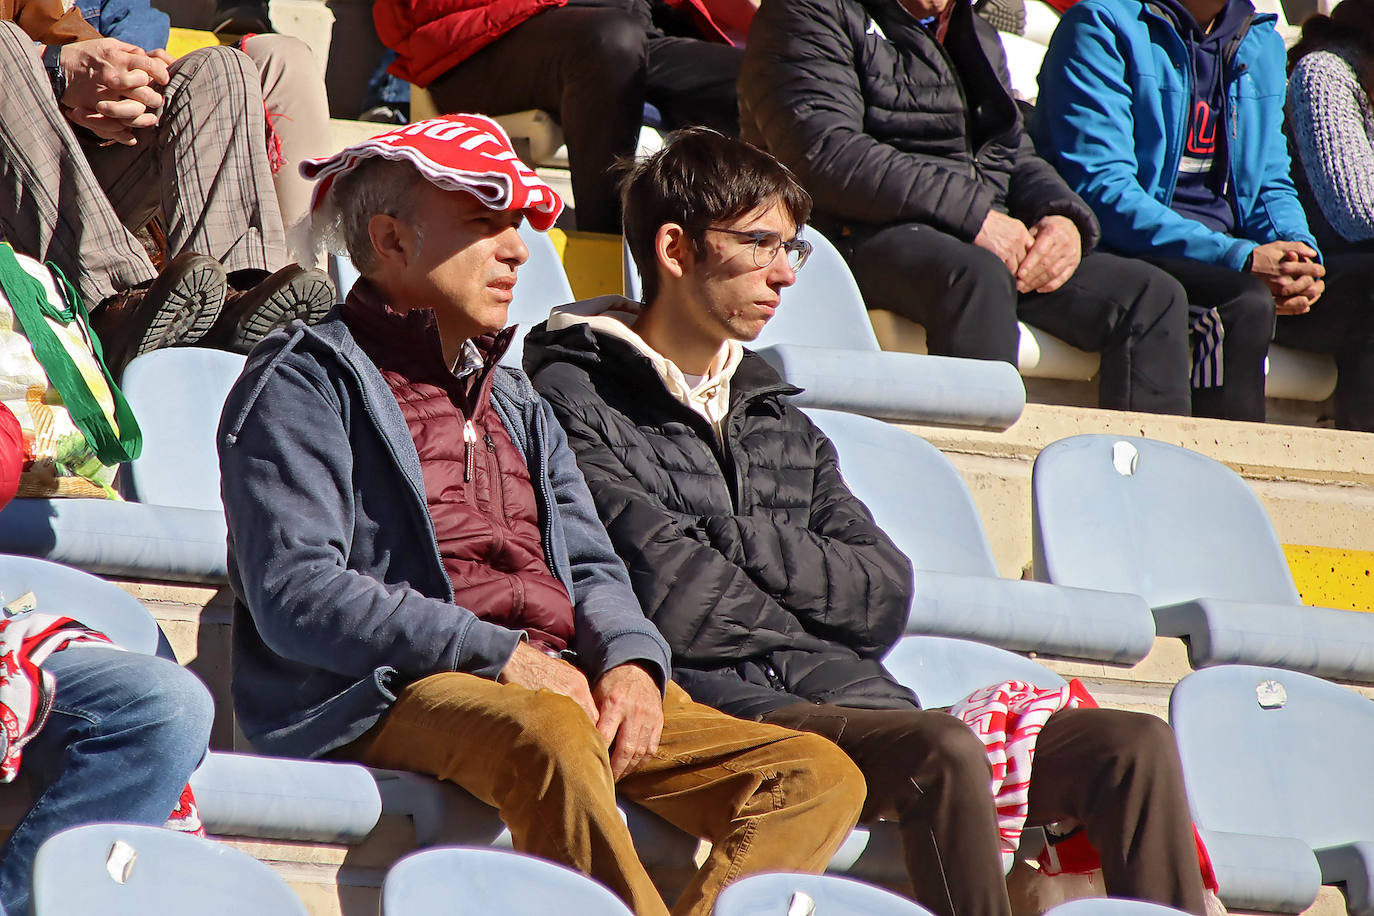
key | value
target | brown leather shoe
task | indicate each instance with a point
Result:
(249, 316)
(180, 306)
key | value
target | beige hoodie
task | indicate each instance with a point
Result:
(615, 316)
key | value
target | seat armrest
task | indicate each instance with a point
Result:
(908, 387)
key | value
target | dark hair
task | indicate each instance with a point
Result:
(698, 178)
(1350, 25)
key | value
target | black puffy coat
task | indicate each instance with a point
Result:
(770, 580)
(883, 124)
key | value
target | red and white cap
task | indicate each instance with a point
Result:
(458, 152)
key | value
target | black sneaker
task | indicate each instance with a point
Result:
(180, 306)
(249, 316)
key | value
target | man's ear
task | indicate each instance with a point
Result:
(673, 250)
(392, 240)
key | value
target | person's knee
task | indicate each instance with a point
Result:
(15, 42)
(282, 53)
(1143, 743)
(175, 709)
(220, 72)
(613, 47)
(824, 772)
(1252, 310)
(558, 738)
(954, 751)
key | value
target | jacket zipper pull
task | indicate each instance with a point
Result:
(491, 446)
(469, 440)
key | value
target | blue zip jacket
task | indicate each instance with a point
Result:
(1113, 114)
(342, 599)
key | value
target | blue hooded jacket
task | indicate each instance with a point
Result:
(1112, 117)
(342, 599)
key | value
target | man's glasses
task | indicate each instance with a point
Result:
(768, 244)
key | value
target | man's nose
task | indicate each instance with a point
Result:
(513, 249)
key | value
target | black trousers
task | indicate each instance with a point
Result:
(1134, 315)
(1246, 308)
(1341, 323)
(1117, 773)
(593, 68)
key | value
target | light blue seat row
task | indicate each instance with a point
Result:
(781, 894)
(1185, 533)
(1277, 768)
(920, 500)
(822, 340)
(173, 527)
(128, 870)
(491, 881)
(1111, 906)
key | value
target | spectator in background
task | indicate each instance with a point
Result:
(293, 95)
(422, 581)
(183, 139)
(1168, 118)
(769, 579)
(897, 117)
(1331, 124)
(592, 64)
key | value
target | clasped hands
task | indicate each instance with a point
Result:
(1292, 273)
(113, 87)
(625, 704)
(1041, 257)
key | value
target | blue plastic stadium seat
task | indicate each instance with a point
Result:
(822, 341)
(81, 596)
(491, 881)
(920, 500)
(174, 527)
(1277, 768)
(943, 671)
(1186, 534)
(127, 870)
(1112, 906)
(824, 895)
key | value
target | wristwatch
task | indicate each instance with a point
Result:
(56, 75)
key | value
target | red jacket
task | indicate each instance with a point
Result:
(477, 483)
(431, 37)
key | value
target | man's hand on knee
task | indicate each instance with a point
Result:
(1052, 258)
(530, 668)
(631, 716)
(112, 87)
(1005, 236)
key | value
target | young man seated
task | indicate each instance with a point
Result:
(422, 580)
(1168, 119)
(772, 584)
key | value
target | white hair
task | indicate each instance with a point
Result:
(374, 186)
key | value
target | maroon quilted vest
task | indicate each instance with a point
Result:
(477, 482)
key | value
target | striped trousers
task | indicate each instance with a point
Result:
(202, 168)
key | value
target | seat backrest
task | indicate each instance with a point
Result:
(542, 286)
(1124, 514)
(128, 870)
(914, 493)
(824, 895)
(491, 881)
(824, 308)
(1112, 906)
(81, 596)
(343, 273)
(1275, 753)
(943, 671)
(177, 394)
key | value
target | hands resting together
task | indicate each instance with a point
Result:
(113, 87)
(624, 704)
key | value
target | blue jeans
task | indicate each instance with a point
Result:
(125, 733)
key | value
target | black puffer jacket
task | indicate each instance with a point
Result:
(769, 579)
(884, 125)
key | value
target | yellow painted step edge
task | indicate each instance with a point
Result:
(1333, 577)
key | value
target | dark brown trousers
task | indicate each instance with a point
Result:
(1117, 773)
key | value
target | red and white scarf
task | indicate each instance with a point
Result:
(27, 691)
(1007, 718)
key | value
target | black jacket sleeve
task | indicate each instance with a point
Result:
(800, 94)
